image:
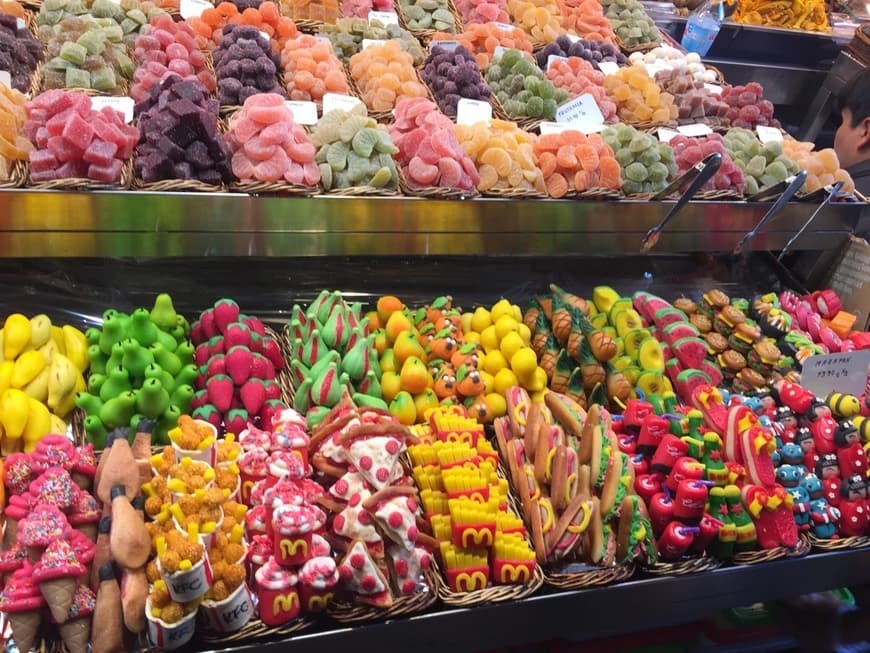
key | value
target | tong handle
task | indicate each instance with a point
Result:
(832, 192)
(699, 174)
(794, 185)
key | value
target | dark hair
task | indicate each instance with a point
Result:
(855, 97)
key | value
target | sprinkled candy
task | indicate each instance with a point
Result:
(55, 487)
(43, 525)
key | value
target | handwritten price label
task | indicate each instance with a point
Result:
(768, 134)
(469, 112)
(552, 128)
(447, 45)
(845, 373)
(504, 27)
(665, 135)
(370, 42)
(581, 113)
(123, 105)
(304, 113)
(384, 17)
(192, 8)
(694, 130)
(333, 101)
(608, 67)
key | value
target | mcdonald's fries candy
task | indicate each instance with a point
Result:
(467, 569)
(512, 560)
(277, 593)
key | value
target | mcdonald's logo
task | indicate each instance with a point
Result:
(478, 497)
(469, 582)
(514, 574)
(247, 486)
(290, 548)
(319, 602)
(473, 537)
(285, 603)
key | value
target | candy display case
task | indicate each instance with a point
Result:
(72, 254)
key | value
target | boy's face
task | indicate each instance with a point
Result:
(852, 144)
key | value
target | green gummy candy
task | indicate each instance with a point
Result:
(535, 107)
(58, 64)
(104, 79)
(94, 42)
(336, 156)
(128, 25)
(357, 167)
(325, 175)
(114, 33)
(76, 78)
(777, 170)
(756, 166)
(382, 178)
(550, 107)
(125, 65)
(658, 172)
(364, 141)
(138, 16)
(636, 172)
(53, 5)
(73, 52)
(385, 144)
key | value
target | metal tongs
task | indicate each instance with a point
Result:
(832, 191)
(791, 186)
(698, 175)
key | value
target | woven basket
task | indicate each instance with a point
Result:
(593, 194)
(273, 188)
(686, 566)
(640, 47)
(514, 194)
(432, 192)
(362, 191)
(768, 555)
(718, 196)
(256, 629)
(355, 613)
(494, 594)
(177, 186)
(593, 578)
(125, 182)
(841, 544)
(17, 175)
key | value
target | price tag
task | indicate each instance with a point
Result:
(768, 134)
(653, 68)
(469, 112)
(304, 113)
(333, 101)
(845, 373)
(265, 35)
(192, 8)
(20, 24)
(694, 130)
(447, 45)
(369, 42)
(504, 26)
(581, 113)
(665, 135)
(123, 105)
(572, 37)
(608, 67)
(714, 88)
(384, 17)
(554, 57)
(499, 51)
(5, 78)
(552, 128)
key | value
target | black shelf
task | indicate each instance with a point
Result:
(634, 606)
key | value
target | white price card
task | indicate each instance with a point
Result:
(554, 57)
(123, 105)
(573, 37)
(20, 24)
(304, 113)
(337, 101)
(384, 17)
(653, 68)
(504, 26)
(499, 51)
(447, 45)
(370, 42)
(696, 129)
(768, 134)
(265, 35)
(581, 113)
(665, 135)
(608, 67)
(192, 8)
(714, 88)
(469, 112)
(5, 78)
(547, 127)
(845, 373)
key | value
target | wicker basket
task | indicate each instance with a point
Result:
(640, 47)
(274, 188)
(718, 196)
(177, 186)
(124, 183)
(493, 594)
(355, 613)
(255, 630)
(686, 566)
(362, 191)
(17, 175)
(597, 194)
(514, 194)
(592, 578)
(841, 544)
(432, 192)
(768, 555)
